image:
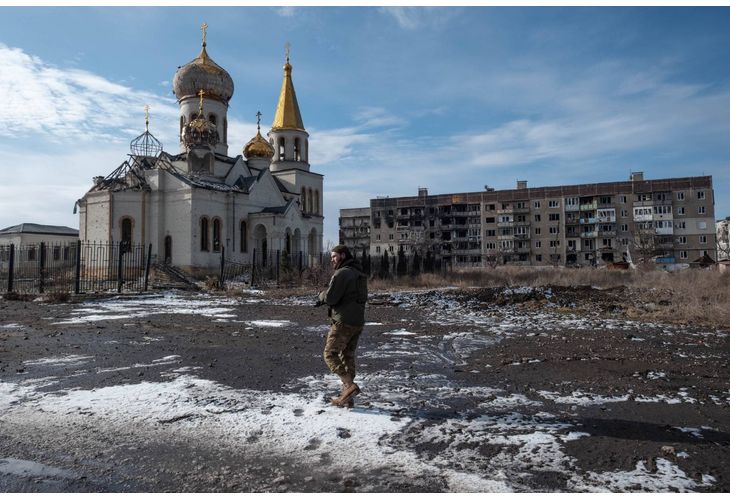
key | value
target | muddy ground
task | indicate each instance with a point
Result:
(554, 389)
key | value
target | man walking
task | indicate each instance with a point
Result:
(346, 297)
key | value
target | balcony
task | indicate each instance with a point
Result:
(589, 234)
(647, 203)
(572, 208)
(607, 234)
(522, 236)
(589, 220)
(505, 224)
(523, 210)
(505, 211)
(506, 237)
(663, 231)
(523, 250)
(606, 220)
(589, 206)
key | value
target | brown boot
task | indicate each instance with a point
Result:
(347, 395)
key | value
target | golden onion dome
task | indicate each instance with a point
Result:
(203, 73)
(258, 147)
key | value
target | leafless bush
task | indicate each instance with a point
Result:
(212, 283)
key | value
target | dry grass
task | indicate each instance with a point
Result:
(692, 296)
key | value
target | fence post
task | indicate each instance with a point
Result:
(11, 267)
(278, 258)
(77, 277)
(223, 263)
(42, 267)
(119, 267)
(147, 267)
(253, 265)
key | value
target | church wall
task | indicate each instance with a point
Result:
(210, 204)
(94, 218)
(127, 204)
(295, 180)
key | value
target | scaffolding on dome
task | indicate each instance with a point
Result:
(146, 144)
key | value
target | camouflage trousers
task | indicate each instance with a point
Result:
(339, 348)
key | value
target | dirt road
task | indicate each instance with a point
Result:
(463, 390)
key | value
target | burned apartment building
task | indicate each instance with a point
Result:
(668, 221)
(355, 229)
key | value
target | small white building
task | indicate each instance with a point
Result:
(32, 234)
(193, 203)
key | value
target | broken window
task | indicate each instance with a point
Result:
(126, 233)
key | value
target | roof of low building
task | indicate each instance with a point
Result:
(29, 227)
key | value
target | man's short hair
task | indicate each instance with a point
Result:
(342, 249)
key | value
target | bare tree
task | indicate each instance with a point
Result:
(723, 242)
(645, 242)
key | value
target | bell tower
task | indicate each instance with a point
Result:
(287, 136)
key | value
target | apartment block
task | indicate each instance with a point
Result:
(670, 221)
(355, 229)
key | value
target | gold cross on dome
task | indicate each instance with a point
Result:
(147, 116)
(258, 120)
(203, 27)
(287, 47)
(201, 94)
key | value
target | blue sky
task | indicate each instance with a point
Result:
(393, 98)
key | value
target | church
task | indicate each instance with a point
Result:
(193, 204)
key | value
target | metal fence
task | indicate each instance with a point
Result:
(271, 266)
(76, 267)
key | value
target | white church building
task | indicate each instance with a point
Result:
(191, 204)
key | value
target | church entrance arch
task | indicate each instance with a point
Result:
(262, 247)
(168, 249)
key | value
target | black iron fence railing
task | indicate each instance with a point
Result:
(75, 267)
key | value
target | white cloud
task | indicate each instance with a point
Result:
(286, 11)
(56, 104)
(412, 18)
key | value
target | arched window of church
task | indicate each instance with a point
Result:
(305, 155)
(281, 148)
(244, 237)
(182, 124)
(310, 201)
(204, 240)
(297, 149)
(126, 238)
(303, 201)
(213, 119)
(216, 235)
(193, 116)
(225, 130)
(316, 201)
